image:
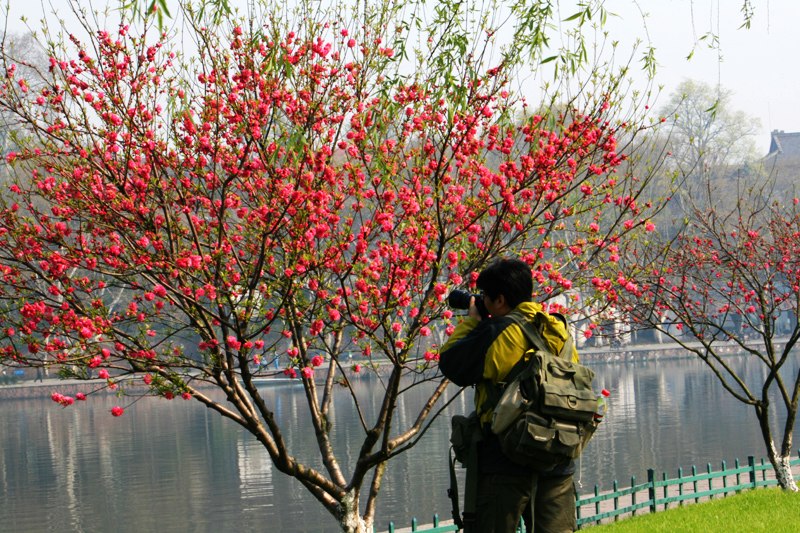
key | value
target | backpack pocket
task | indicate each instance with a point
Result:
(568, 403)
(540, 443)
(465, 431)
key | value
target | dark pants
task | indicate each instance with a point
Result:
(502, 499)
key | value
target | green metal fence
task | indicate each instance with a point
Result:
(657, 493)
(440, 528)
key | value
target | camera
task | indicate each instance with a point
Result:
(458, 299)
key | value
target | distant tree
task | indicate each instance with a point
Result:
(31, 62)
(707, 136)
(731, 281)
(306, 185)
(707, 142)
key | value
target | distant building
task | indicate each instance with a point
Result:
(783, 160)
(784, 145)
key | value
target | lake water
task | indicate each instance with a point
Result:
(177, 467)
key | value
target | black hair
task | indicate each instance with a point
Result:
(510, 277)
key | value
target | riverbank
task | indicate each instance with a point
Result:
(651, 506)
(24, 389)
(771, 510)
(657, 351)
(26, 385)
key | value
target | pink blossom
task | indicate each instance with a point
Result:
(316, 327)
(317, 360)
(186, 396)
(61, 399)
(233, 343)
(307, 372)
(80, 396)
(102, 373)
(117, 410)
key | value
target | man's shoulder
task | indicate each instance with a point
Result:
(529, 310)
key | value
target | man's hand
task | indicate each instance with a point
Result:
(473, 310)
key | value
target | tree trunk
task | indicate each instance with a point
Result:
(780, 461)
(783, 472)
(350, 518)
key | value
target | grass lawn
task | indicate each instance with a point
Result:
(770, 510)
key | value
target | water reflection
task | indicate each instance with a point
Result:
(176, 467)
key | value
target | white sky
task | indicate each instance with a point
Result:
(759, 65)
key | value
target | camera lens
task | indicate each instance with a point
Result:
(459, 299)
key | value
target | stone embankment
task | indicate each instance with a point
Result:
(649, 352)
(27, 387)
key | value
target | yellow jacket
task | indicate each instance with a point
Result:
(482, 352)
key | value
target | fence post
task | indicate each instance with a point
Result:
(616, 499)
(694, 483)
(597, 503)
(633, 495)
(680, 485)
(724, 478)
(751, 462)
(738, 477)
(651, 488)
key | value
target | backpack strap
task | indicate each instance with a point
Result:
(533, 332)
(467, 520)
(452, 492)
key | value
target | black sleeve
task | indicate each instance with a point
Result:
(463, 362)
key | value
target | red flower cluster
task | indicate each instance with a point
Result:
(286, 186)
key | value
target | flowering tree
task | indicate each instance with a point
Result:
(731, 282)
(298, 191)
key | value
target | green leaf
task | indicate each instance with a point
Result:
(164, 9)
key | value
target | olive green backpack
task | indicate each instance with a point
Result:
(543, 413)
